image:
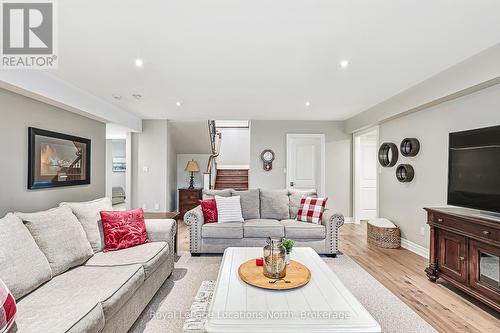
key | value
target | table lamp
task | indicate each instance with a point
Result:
(192, 167)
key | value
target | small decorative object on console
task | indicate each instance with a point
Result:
(267, 157)
(274, 259)
(192, 167)
(259, 262)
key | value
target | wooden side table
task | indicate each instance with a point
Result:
(188, 199)
(165, 215)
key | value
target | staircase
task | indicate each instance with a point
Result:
(236, 179)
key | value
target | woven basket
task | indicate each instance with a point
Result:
(389, 238)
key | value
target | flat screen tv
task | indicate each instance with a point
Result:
(474, 169)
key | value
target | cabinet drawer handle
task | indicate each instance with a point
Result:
(462, 258)
(440, 220)
(486, 232)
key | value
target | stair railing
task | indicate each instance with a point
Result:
(215, 143)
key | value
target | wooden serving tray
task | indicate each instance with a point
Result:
(298, 275)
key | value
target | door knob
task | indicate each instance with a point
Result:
(292, 183)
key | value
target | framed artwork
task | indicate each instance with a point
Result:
(119, 164)
(57, 159)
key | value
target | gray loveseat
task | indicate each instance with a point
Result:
(62, 281)
(267, 213)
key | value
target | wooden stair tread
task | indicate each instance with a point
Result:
(236, 179)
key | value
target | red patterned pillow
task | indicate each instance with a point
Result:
(123, 229)
(8, 308)
(209, 208)
(311, 209)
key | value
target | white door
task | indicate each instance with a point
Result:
(305, 167)
(366, 177)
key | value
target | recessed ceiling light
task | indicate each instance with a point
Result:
(139, 62)
(308, 103)
(344, 63)
(178, 103)
(116, 96)
(137, 96)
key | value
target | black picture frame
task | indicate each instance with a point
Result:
(34, 159)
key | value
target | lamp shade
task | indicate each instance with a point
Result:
(192, 166)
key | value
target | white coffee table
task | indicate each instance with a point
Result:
(323, 305)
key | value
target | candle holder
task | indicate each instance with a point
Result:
(274, 259)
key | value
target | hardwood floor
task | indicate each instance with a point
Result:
(402, 272)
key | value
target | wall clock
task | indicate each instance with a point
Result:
(267, 157)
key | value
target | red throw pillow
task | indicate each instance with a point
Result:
(123, 229)
(8, 308)
(209, 209)
(311, 209)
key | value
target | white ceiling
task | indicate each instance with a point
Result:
(256, 59)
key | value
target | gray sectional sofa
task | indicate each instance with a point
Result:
(62, 281)
(267, 213)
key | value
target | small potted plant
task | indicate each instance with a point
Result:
(288, 245)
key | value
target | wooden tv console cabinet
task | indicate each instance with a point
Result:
(465, 251)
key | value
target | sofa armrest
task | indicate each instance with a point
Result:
(330, 217)
(162, 230)
(332, 221)
(195, 220)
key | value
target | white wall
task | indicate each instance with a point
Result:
(272, 135)
(17, 113)
(171, 169)
(404, 203)
(475, 73)
(149, 166)
(235, 146)
(118, 179)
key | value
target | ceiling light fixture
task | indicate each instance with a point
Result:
(139, 62)
(178, 103)
(137, 96)
(344, 63)
(308, 103)
(116, 96)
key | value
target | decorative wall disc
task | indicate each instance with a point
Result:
(388, 154)
(410, 147)
(405, 173)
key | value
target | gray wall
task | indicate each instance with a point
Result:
(17, 113)
(272, 135)
(404, 203)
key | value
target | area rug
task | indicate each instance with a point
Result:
(169, 308)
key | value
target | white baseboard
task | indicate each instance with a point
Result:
(415, 248)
